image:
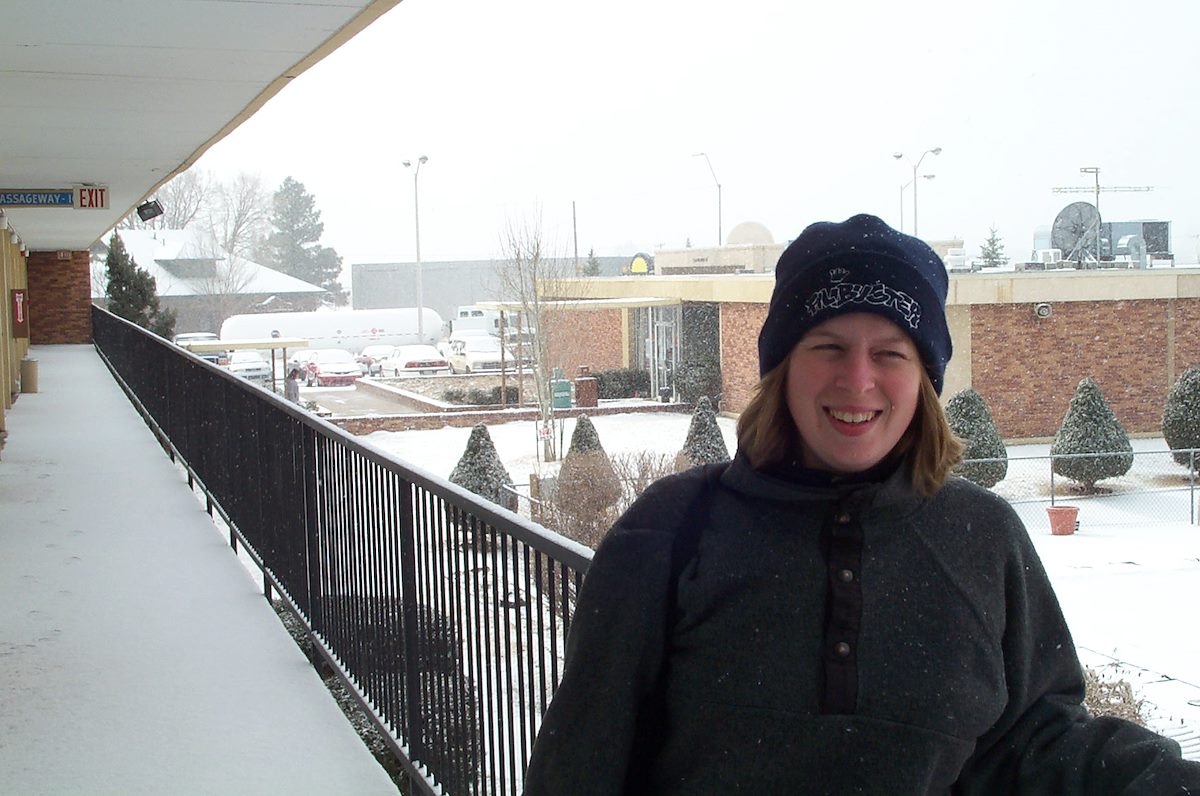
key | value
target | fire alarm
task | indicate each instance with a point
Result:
(1042, 310)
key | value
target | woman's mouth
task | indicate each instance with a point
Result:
(851, 417)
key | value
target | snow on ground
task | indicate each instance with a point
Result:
(1130, 590)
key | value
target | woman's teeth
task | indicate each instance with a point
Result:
(851, 417)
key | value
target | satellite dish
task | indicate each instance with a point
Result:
(1075, 231)
(1134, 247)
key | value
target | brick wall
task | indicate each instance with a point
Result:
(591, 337)
(739, 353)
(60, 298)
(1027, 368)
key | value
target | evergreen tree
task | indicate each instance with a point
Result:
(1090, 427)
(1181, 416)
(132, 293)
(971, 421)
(704, 444)
(592, 268)
(992, 252)
(586, 469)
(294, 244)
(481, 471)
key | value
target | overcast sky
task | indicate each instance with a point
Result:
(526, 106)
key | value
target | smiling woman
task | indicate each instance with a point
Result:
(831, 612)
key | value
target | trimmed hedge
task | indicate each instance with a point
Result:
(623, 383)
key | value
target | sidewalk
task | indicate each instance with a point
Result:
(136, 655)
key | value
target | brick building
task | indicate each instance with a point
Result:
(1022, 340)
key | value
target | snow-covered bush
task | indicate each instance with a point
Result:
(971, 421)
(704, 443)
(588, 488)
(481, 471)
(1181, 416)
(1090, 427)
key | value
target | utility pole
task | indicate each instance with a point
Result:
(1096, 189)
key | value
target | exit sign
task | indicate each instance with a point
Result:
(91, 197)
(82, 197)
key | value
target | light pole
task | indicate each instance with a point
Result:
(937, 150)
(718, 184)
(902, 187)
(417, 222)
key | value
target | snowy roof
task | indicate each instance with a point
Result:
(185, 262)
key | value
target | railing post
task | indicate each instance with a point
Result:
(1192, 485)
(1052, 490)
(408, 603)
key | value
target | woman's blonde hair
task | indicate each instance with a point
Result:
(767, 434)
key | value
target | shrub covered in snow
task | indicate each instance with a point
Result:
(588, 488)
(972, 422)
(481, 471)
(1181, 416)
(704, 443)
(1090, 427)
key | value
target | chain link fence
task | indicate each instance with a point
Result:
(1157, 489)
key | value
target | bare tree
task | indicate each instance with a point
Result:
(526, 276)
(238, 215)
(221, 282)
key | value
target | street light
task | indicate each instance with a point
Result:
(417, 222)
(718, 183)
(902, 187)
(937, 150)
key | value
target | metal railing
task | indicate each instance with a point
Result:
(445, 615)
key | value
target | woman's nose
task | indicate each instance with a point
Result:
(858, 371)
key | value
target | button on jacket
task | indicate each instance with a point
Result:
(830, 640)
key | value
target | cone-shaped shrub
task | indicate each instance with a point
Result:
(1181, 416)
(1091, 427)
(586, 480)
(971, 421)
(481, 471)
(704, 443)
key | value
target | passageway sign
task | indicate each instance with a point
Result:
(83, 197)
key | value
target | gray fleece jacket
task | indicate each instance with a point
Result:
(830, 640)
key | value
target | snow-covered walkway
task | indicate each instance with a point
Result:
(136, 656)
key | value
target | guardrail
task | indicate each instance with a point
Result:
(445, 615)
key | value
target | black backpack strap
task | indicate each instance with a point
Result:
(650, 729)
(687, 530)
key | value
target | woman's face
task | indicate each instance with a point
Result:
(852, 389)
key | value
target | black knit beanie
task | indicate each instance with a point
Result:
(859, 265)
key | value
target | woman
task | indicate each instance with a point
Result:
(291, 386)
(833, 613)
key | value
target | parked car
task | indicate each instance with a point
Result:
(215, 357)
(250, 365)
(478, 353)
(297, 360)
(371, 356)
(330, 366)
(445, 346)
(420, 360)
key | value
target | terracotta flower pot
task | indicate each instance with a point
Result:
(1062, 519)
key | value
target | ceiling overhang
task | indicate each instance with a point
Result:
(123, 96)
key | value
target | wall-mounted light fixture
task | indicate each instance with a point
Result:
(149, 210)
(1042, 310)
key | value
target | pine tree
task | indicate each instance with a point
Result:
(481, 471)
(1090, 427)
(586, 468)
(1181, 417)
(992, 252)
(971, 421)
(704, 443)
(592, 268)
(132, 293)
(294, 245)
